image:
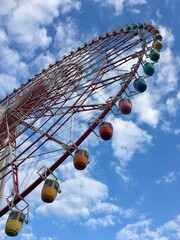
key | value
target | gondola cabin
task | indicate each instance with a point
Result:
(122, 30)
(14, 223)
(157, 45)
(140, 85)
(50, 190)
(81, 157)
(154, 31)
(158, 37)
(106, 131)
(149, 69)
(154, 55)
(125, 106)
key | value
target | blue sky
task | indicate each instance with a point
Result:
(130, 190)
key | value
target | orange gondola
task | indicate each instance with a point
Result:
(81, 157)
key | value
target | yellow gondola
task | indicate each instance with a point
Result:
(157, 45)
(14, 223)
(50, 190)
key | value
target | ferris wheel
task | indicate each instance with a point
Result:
(55, 111)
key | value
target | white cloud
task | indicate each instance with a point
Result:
(167, 127)
(101, 221)
(178, 96)
(144, 229)
(2, 224)
(105, 207)
(110, 208)
(66, 37)
(12, 66)
(11, 62)
(7, 83)
(168, 72)
(3, 37)
(43, 60)
(26, 21)
(173, 226)
(131, 231)
(158, 14)
(135, 10)
(118, 5)
(68, 5)
(169, 178)
(128, 138)
(123, 173)
(172, 104)
(144, 106)
(136, 2)
(168, 37)
(7, 6)
(24, 25)
(28, 236)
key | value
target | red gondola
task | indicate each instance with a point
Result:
(125, 106)
(106, 131)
